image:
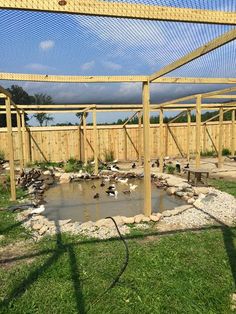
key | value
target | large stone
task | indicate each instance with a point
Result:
(104, 223)
(43, 230)
(176, 211)
(191, 200)
(155, 217)
(128, 220)
(64, 222)
(200, 190)
(146, 219)
(138, 218)
(171, 190)
(37, 226)
(179, 193)
(65, 178)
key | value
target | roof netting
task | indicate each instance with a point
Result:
(37, 42)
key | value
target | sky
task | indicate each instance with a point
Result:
(46, 43)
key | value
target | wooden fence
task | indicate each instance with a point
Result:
(62, 143)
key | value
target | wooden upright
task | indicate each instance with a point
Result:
(140, 138)
(85, 139)
(95, 141)
(198, 130)
(147, 160)
(11, 149)
(20, 141)
(233, 131)
(188, 134)
(161, 132)
(220, 138)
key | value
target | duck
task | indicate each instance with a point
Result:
(96, 195)
(112, 187)
(133, 165)
(102, 184)
(153, 165)
(107, 179)
(38, 210)
(113, 168)
(132, 187)
(126, 192)
(115, 161)
(178, 167)
(123, 181)
(93, 186)
(157, 162)
(186, 167)
(112, 193)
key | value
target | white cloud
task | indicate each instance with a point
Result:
(46, 45)
(38, 67)
(112, 65)
(88, 65)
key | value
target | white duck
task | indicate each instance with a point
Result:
(132, 187)
(114, 169)
(112, 193)
(38, 210)
(123, 181)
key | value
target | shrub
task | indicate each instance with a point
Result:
(226, 152)
(170, 169)
(208, 153)
(109, 155)
(73, 165)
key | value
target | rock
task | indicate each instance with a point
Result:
(190, 194)
(2, 237)
(176, 211)
(138, 218)
(47, 172)
(171, 190)
(191, 200)
(87, 225)
(128, 220)
(185, 197)
(200, 190)
(65, 178)
(104, 223)
(155, 217)
(64, 222)
(146, 219)
(180, 194)
(119, 220)
(43, 230)
(37, 226)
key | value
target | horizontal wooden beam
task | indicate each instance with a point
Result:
(110, 79)
(201, 51)
(217, 115)
(123, 10)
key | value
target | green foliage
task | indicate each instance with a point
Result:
(45, 164)
(73, 165)
(208, 153)
(2, 155)
(109, 155)
(226, 152)
(225, 186)
(170, 169)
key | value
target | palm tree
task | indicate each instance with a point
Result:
(43, 99)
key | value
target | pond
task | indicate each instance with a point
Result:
(76, 200)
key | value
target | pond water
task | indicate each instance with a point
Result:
(76, 201)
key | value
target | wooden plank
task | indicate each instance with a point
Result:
(220, 138)
(95, 141)
(188, 133)
(124, 10)
(197, 53)
(20, 140)
(161, 140)
(233, 131)
(11, 149)
(85, 139)
(194, 80)
(125, 144)
(147, 159)
(198, 131)
(140, 137)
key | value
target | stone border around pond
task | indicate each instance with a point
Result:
(105, 228)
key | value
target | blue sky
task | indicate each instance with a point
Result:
(80, 45)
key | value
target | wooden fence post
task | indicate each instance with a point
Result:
(20, 141)
(11, 149)
(220, 139)
(188, 134)
(233, 129)
(85, 139)
(125, 144)
(147, 161)
(140, 137)
(95, 141)
(161, 140)
(198, 130)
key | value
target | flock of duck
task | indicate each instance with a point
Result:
(111, 189)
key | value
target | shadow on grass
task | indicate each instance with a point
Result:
(69, 248)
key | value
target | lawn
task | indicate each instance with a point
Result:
(225, 186)
(184, 272)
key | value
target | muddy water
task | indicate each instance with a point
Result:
(75, 201)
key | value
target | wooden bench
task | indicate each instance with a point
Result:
(198, 175)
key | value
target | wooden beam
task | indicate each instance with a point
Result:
(5, 92)
(216, 116)
(124, 10)
(146, 145)
(233, 96)
(125, 144)
(140, 137)
(198, 131)
(95, 141)
(20, 140)
(161, 140)
(9, 76)
(11, 149)
(130, 118)
(220, 138)
(177, 117)
(188, 133)
(233, 131)
(201, 51)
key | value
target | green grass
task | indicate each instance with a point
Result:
(182, 273)
(225, 186)
(45, 164)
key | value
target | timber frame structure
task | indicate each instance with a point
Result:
(131, 11)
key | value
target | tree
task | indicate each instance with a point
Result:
(20, 97)
(43, 99)
(79, 115)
